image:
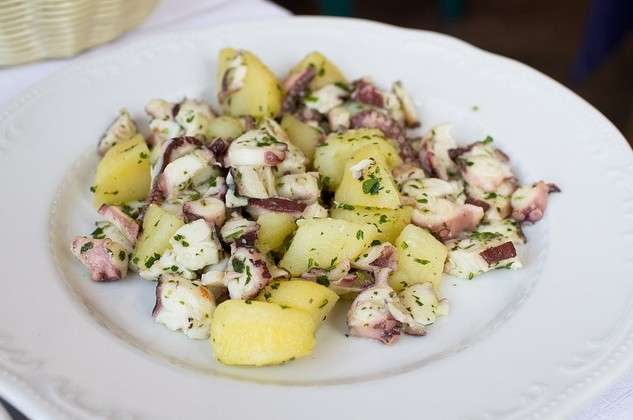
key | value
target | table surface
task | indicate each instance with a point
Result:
(616, 403)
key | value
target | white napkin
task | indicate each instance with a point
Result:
(169, 15)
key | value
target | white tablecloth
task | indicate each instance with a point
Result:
(614, 404)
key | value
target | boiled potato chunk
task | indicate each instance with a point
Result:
(257, 91)
(123, 174)
(331, 157)
(314, 298)
(302, 135)
(324, 243)
(421, 258)
(260, 333)
(388, 222)
(274, 228)
(326, 71)
(225, 127)
(158, 227)
(367, 181)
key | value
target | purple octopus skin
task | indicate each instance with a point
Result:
(178, 147)
(458, 219)
(375, 119)
(247, 240)
(367, 93)
(387, 259)
(210, 209)
(478, 203)
(159, 292)
(122, 221)
(295, 87)
(499, 253)
(219, 148)
(97, 256)
(277, 204)
(531, 202)
(249, 123)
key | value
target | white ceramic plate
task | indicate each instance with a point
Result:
(533, 343)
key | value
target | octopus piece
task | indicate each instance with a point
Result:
(339, 118)
(483, 166)
(162, 123)
(160, 109)
(231, 198)
(408, 107)
(184, 305)
(238, 227)
(314, 211)
(529, 202)
(434, 152)
(158, 265)
(423, 306)
(300, 187)
(480, 252)
(407, 172)
(176, 148)
(211, 210)
(325, 99)
(106, 260)
(295, 161)
(496, 204)
(509, 228)
(424, 190)
(233, 77)
(194, 116)
(375, 312)
(215, 187)
(122, 221)
(219, 147)
(247, 273)
(254, 181)
(446, 219)
(255, 147)
(295, 87)
(107, 230)
(195, 245)
(184, 173)
(281, 205)
(377, 257)
(389, 126)
(213, 275)
(364, 91)
(123, 128)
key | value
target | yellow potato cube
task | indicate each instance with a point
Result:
(158, 227)
(314, 298)
(123, 175)
(302, 135)
(324, 243)
(421, 258)
(367, 181)
(330, 158)
(274, 228)
(388, 222)
(253, 88)
(326, 71)
(256, 333)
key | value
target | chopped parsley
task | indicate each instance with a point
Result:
(98, 233)
(85, 247)
(93, 188)
(375, 242)
(149, 262)
(325, 302)
(122, 255)
(404, 245)
(238, 265)
(421, 261)
(323, 280)
(360, 235)
(371, 186)
(487, 140)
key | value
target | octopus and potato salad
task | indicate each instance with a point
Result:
(255, 218)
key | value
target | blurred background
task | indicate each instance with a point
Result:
(585, 44)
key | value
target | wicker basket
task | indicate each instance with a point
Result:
(35, 29)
